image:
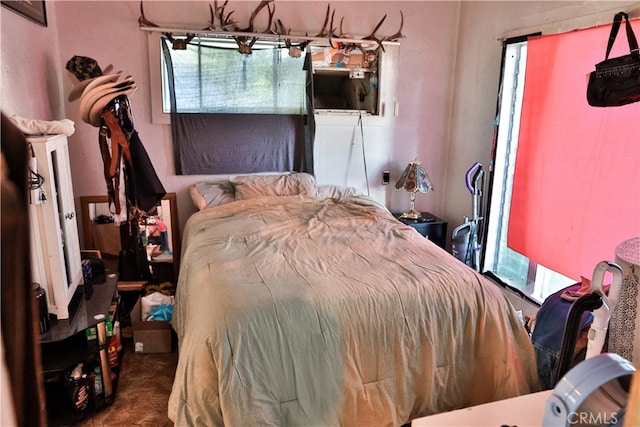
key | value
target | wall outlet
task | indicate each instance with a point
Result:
(386, 175)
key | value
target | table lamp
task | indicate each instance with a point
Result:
(414, 179)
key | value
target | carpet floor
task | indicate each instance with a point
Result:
(142, 394)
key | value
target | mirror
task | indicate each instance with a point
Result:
(159, 233)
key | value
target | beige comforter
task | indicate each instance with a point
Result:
(319, 312)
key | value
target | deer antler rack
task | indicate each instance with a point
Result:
(395, 36)
(244, 44)
(177, 44)
(246, 37)
(295, 51)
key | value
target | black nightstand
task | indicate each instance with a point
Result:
(430, 226)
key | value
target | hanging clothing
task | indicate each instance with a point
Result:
(131, 178)
(120, 144)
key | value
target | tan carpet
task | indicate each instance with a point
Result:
(143, 391)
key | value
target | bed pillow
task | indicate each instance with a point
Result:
(336, 191)
(250, 186)
(209, 194)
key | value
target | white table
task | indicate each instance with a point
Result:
(522, 411)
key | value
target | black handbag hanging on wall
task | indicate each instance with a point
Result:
(616, 81)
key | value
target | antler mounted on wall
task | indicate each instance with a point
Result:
(393, 37)
(244, 44)
(295, 51)
(246, 37)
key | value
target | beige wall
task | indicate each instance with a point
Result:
(31, 81)
(447, 84)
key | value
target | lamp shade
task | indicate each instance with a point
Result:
(414, 179)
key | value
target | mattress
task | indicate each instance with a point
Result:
(299, 310)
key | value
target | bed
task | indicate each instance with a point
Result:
(295, 308)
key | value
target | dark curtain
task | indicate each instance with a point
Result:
(237, 143)
(309, 118)
(216, 143)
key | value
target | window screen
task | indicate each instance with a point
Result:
(238, 113)
(211, 76)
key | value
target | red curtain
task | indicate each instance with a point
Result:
(576, 190)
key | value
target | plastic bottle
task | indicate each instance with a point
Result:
(116, 332)
(97, 381)
(114, 347)
(79, 391)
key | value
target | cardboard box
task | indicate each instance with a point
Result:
(153, 336)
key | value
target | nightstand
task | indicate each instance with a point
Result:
(430, 226)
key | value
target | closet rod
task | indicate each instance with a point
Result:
(263, 36)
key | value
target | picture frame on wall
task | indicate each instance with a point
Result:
(31, 9)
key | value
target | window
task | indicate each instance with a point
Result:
(238, 113)
(346, 78)
(512, 268)
(211, 76)
(564, 186)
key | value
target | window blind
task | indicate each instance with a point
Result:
(576, 185)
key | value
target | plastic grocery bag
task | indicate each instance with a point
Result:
(157, 306)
